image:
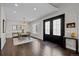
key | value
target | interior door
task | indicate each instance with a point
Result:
(54, 30)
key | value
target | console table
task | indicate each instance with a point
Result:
(76, 40)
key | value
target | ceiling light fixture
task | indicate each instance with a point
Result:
(35, 9)
(16, 5)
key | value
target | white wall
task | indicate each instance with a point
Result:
(9, 29)
(39, 34)
(71, 15)
(3, 35)
(0, 21)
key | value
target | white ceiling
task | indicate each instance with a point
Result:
(27, 10)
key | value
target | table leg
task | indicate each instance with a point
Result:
(76, 46)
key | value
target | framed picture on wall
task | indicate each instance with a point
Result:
(4, 26)
(70, 25)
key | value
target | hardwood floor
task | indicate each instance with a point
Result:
(35, 48)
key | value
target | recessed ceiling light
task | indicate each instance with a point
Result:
(35, 9)
(16, 5)
(14, 12)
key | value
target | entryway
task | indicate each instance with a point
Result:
(54, 30)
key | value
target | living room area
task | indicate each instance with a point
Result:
(39, 29)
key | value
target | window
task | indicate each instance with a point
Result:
(14, 27)
(34, 28)
(17, 27)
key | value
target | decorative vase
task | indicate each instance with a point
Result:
(73, 34)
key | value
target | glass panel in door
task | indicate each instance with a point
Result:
(47, 27)
(57, 27)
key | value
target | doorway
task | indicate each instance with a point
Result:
(54, 30)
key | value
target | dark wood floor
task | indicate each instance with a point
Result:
(35, 48)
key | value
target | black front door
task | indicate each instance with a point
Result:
(54, 30)
(46, 29)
